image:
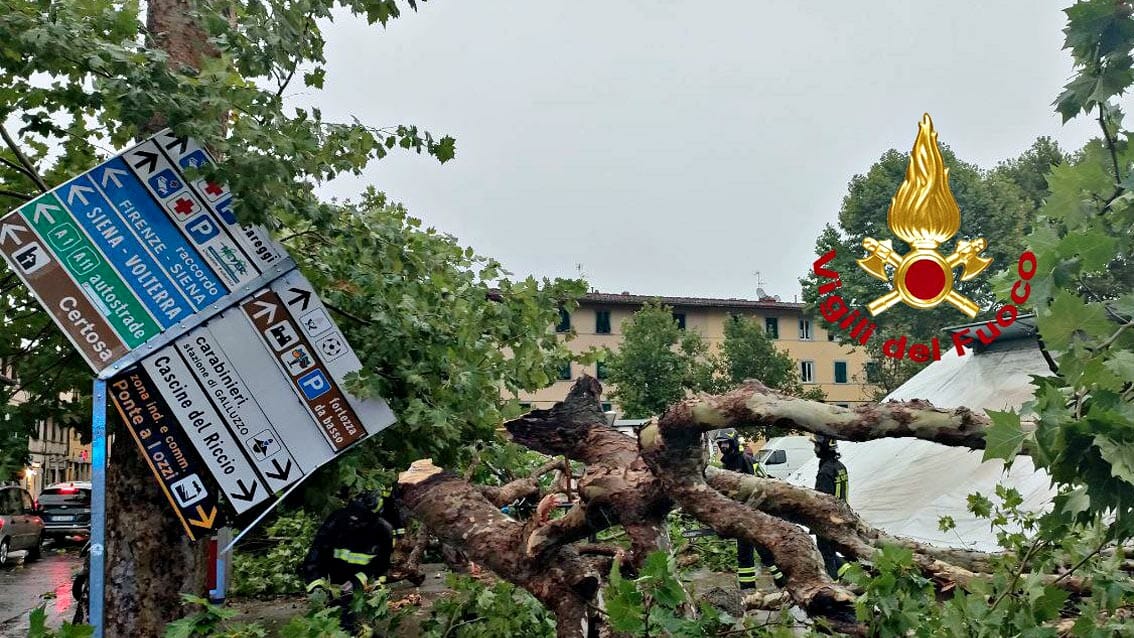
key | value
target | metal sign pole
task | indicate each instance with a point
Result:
(96, 591)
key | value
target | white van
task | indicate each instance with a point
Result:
(785, 454)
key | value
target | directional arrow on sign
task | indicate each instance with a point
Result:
(301, 295)
(206, 518)
(281, 473)
(42, 209)
(179, 142)
(77, 190)
(8, 231)
(246, 493)
(111, 174)
(149, 159)
(265, 308)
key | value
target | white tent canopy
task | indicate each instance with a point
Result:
(904, 486)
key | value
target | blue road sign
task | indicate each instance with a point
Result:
(111, 234)
(188, 270)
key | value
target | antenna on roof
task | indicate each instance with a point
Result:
(760, 294)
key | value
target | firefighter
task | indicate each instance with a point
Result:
(831, 479)
(353, 542)
(728, 442)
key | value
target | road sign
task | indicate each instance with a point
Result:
(60, 295)
(149, 260)
(257, 398)
(226, 366)
(167, 450)
(254, 240)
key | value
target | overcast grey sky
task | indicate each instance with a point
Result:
(678, 147)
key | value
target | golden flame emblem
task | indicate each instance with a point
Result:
(924, 214)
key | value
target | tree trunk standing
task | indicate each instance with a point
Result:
(150, 562)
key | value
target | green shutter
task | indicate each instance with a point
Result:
(840, 372)
(602, 322)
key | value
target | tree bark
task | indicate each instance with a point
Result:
(460, 515)
(635, 484)
(754, 405)
(617, 488)
(672, 448)
(150, 561)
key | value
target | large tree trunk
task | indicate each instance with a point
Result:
(149, 560)
(636, 483)
(462, 516)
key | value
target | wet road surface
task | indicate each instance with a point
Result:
(27, 585)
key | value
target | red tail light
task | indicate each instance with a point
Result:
(68, 490)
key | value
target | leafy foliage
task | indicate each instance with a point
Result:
(656, 604)
(748, 353)
(440, 330)
(37, 627)
(479, 611)
(657, 363)
(711, 552)
(275, 571)
(201, 624)
(1083, 290)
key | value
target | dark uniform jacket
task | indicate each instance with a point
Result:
(352, 540)
(737, 462)
(832, 478)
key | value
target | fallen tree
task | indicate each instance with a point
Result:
(635, 484)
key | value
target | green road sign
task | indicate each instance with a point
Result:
(90, 270)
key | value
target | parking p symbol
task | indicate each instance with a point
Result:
(314, 384)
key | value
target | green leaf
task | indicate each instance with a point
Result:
(1121, 363)
(1076, 502)
(1094, 248)
(37, 620)
(1005, 437)
(979, 505)
(1119, 455)
(624, 604)
(1069, 318)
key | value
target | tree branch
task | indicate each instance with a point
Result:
(756, 405)
(15, 195)
(458, 514)
(671, 447)
(348, 315)
(27, 167)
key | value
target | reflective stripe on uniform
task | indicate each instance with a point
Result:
(401, 531)
(746, 574)
(842, 570)
(841, 485)
(354, 558)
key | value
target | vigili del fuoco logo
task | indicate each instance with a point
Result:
(924, 214)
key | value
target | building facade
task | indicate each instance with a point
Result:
(840, 371)
(56, 454)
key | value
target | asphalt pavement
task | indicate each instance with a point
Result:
(27, 585)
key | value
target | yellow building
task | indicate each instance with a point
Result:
(840, 371)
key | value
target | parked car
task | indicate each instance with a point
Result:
(66, 509)
(785, 454)
(21, 527)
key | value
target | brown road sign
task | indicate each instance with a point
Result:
(312, 381)
(167, 450)
(57, 292)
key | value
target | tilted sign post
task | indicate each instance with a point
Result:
(223, 363)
